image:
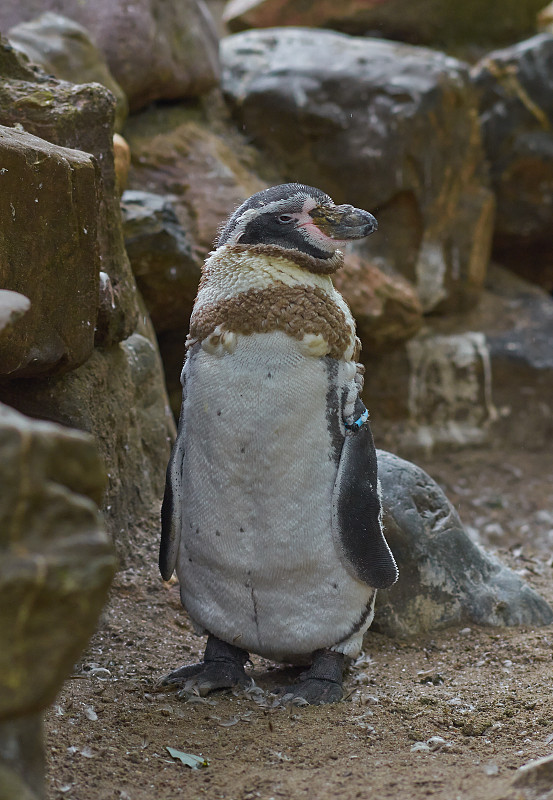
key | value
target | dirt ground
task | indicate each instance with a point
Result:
(451, 716)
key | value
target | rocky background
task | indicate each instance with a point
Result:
(127, 134)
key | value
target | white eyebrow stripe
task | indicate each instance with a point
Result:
(275, 205)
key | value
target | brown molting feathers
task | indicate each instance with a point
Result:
(295, 310)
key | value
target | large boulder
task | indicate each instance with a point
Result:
(354, 117)
(119, 397)
(80, 117)
(166, 268)
(517, 318)
(64, 49)
(516, 114)
(206, 170)
(480, 377)
(386, 308)
(436, 22)
(48, 252)
(200, 172)
(156, 50)
(444, 578)
(55, 556)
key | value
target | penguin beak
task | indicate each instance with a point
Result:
(343, 222)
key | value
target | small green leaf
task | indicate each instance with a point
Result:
(188, 759)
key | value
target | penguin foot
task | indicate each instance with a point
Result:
(322, 683)
(222, 668)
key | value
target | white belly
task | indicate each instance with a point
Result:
(257, 563)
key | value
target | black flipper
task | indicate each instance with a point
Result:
(357, 511)
(171, 514)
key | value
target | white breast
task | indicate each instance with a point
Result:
(257, 564)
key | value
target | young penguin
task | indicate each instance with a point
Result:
(271, 515)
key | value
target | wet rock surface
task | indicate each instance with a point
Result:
(386, 308)
(64, 49)
(48, 252)
(80, 117)
(55, 556)
(435, 22)
(208, 173)
(445, 579)
(354, 117)
(117, 396)
(163, 262)
(155, 50)
(516, 113)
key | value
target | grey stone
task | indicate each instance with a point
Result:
(354, 117)
(161, 256)
(537, 774)
(48, 252)
(79, 117)
(517, 318)
(64, 49)
(516, 114)
(444, 578)
(155, 50)
(119, 397)
(440, 23)
(22, 758)
(54, 555)
(480, 377)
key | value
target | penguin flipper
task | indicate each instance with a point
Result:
(357, 513)
(171, 509)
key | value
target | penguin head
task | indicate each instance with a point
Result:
(297, 218)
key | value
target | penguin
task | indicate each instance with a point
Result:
(271, 515)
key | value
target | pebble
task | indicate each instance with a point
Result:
(420, 747)
(491, 768)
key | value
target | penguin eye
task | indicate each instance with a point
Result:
(284, 218)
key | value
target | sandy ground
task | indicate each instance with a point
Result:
(449, 716)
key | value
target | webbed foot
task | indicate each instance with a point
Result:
(322, 683)
(222, 668)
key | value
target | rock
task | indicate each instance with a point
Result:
(12, 306)
(81, 118)
(516, 113)
(64, 49)
(119, 397)
(481, 376)
(172, 351)
(434, 391)
(22, 759)
(436, 22)
(207, 173)
(55, 556)
(537, 775)
(450, 390)
(48, 252)
(517, 318)
(166, 270)
(386, 307)
(445, 579)
(354, 116)
(155, 50)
